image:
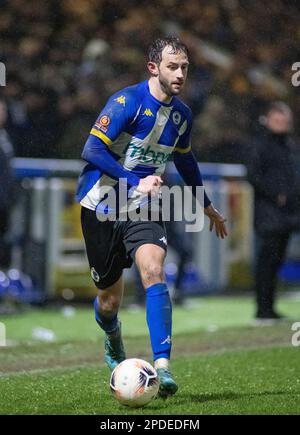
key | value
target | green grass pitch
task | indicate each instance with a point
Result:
(223, 364)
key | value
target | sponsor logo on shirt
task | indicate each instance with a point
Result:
(146, 154)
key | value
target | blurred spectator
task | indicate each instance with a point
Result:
(5, 144)
(6, 184)
(276, 181)
(40, 134)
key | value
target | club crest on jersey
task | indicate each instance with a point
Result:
(103, 123)
(121, 100)
(148, 112)
(176, 118)
(95, 275)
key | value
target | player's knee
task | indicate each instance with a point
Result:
(109, 305)
(152, 274)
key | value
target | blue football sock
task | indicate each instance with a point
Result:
(159, 319)
(108, 324)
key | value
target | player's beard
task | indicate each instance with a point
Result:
(166, 86)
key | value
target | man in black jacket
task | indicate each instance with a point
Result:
(275, 177)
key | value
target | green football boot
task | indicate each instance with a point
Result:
(167, 386)
(114, 352)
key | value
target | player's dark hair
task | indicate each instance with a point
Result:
(156, 48)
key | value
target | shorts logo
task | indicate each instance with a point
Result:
(103, 123)
(95, 275)
(164, 240)
(176, 118)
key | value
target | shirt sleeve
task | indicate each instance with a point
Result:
(116, 117)
(96, 152)
(188, 169)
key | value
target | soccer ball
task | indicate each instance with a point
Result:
(134, 382)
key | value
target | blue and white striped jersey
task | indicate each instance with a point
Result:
(140, 133)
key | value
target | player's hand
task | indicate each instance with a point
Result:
(217, 220)
(150, 184)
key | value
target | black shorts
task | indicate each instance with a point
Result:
(111, 246)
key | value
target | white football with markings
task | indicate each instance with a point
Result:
(134, 382)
